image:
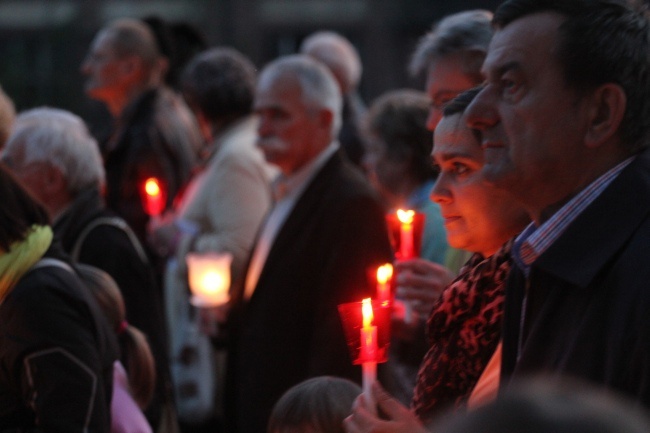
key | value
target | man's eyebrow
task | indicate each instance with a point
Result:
(446, 156)
(502, 69)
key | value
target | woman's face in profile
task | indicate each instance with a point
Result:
(478, 217)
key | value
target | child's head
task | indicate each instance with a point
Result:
(317, 405)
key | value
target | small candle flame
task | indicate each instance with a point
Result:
(152, 187)
(366, 310)
(384, 273)
(405, 216)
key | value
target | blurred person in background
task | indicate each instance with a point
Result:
(398, 163)
(342, 59)
(56, 348)
(56, 159)
(152, 138)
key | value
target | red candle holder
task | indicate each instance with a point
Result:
(397, 229)
(352, 320)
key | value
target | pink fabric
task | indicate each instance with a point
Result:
(126, 416)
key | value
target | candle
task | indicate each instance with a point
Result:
(209, 278)
(384, 276)
(154, 196)
(368, 353)
(406, 233)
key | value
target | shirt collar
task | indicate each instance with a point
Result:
(534, 240)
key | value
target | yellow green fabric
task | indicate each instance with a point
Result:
(22, 256)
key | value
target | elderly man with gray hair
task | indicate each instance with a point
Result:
(325, 231)
(54, 156)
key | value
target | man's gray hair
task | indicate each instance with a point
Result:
(317, 84)
(62, 139)
(338, 54)
(460, 32)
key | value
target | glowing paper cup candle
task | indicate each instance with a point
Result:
(209, 278)
(153, 196)
(405, 228)
(368, 339)
(367, 332)
(384, 277)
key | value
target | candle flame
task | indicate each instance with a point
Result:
(405, 216)
(384, 273)
(152, 187)
(366, 310)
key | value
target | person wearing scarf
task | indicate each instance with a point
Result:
(56, 350)
(464, 326)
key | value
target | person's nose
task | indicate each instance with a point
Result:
(482, 113)
(440, 193)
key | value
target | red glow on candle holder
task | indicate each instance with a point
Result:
(154, 196)
(405, 230)
(374, 324)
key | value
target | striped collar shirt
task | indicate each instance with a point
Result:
(534, 241)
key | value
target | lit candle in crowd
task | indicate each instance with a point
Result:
(209, 278)
(384, 276)
(368, 352)
(405, 217)
(154, 196)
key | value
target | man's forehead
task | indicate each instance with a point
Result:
(531, 36)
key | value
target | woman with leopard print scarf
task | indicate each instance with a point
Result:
(464, 325)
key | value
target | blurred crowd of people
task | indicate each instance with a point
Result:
(525, 307)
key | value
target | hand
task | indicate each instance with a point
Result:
(399, 418)
(211, 317)
(420, 283)
(162, 233)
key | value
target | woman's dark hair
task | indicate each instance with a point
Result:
(220, 82)
(19, 211)
(399, 119)
(460, 103)
(321, 403)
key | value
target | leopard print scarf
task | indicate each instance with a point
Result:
(464, 329)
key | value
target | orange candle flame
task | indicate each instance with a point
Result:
(151, 187)
(366, 310)
(384, 273)
(405, 216)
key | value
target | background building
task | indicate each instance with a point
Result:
(44, 41)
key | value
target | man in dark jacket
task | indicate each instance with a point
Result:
(155, 135)
(314, 251)
(564, 119)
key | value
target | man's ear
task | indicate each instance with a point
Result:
(325, 118)
(606, 109)
(54, 180)
(131, 66)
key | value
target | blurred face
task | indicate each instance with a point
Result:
(446, 79)
(532, 124)
(384, 171)
(102, 69)
(478, 217)
(290, 133)
(32, 175)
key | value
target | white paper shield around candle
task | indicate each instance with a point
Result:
(209, 278)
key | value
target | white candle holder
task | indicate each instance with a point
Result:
(209, 278)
